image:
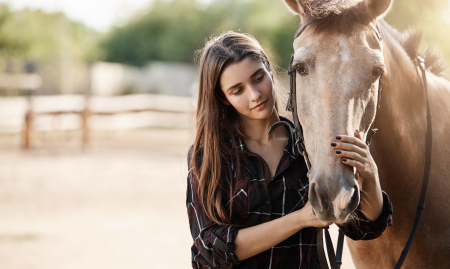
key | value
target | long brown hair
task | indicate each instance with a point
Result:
(218, 125)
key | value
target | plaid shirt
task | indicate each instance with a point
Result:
(254, 203)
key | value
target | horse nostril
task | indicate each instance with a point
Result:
(314, 198)
(353, 202)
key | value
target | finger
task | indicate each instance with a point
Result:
(351, 155)
(352, 140)
(359, 167)
(358, 135)
(349, 147)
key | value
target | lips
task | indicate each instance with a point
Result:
(260, 105)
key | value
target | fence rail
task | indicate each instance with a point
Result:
(96, 113)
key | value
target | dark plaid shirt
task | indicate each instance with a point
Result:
(255, 202)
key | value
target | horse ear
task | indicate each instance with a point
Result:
(369, 10)
(295, 7)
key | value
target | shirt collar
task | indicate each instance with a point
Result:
(290, 146)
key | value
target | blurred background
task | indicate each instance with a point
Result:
(97, 102)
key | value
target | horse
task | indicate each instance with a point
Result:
(346, 62)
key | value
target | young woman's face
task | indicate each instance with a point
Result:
(248, 87)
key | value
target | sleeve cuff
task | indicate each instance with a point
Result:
(220, 242)
(363, 228)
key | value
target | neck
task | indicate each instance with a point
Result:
(399, 145)
(258, 130)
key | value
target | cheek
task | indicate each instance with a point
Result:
(238, 102)
(268, 86)
(368, 108)
(308, 105)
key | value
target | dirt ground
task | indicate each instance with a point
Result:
(118, 203)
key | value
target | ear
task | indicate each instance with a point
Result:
(369, 10)
(295, 7)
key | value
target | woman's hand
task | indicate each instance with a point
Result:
(256, 239)
(355, 153)
(308, 219)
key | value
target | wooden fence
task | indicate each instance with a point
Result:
(85, 114)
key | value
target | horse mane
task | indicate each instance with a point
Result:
(410, 41)
(339, 16)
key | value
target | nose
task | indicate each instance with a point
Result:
(255, 93)
(319, 199)
(344, 203)
(353, 202)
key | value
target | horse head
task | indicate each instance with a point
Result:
(339, 62)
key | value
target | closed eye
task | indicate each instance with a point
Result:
(259, 78)
(237, 91)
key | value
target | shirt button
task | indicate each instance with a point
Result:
(267, 201)
(207, 233)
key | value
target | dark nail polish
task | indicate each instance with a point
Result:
(344, 160)
(338, 137)
(333, 144)
(338, 152)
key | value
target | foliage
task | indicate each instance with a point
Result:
(38, 36)
(174, 30)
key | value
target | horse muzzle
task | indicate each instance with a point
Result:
(333, 206)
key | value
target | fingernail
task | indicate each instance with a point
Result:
(333, 144)
(338, 152)
(338, 137)
(344, 160)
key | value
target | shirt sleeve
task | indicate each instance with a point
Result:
(362, 228)
(214, 243)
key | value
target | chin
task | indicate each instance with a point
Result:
(265, 113)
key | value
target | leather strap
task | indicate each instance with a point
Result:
(339, 249)
(292, 106)
(321, 250)
(426, 170)
(299, 142)
(330, 249)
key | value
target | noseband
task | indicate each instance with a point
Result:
(335, 260)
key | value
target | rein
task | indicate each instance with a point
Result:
(335, 260)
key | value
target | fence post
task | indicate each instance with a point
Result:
(28, 125)
(85, 127)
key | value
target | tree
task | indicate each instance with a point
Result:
(174, 30)
(39, 36)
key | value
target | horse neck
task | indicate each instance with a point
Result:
(399, 145)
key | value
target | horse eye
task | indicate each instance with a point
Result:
(377, 72)
(300, 69)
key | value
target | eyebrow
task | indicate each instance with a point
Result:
(237, 84)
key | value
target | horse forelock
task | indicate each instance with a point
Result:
(330, 15)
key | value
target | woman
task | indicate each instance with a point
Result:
(247, 195)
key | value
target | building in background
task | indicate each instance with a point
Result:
(167, 78)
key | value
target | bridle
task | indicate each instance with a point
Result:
(292, 103)
(335, 259)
